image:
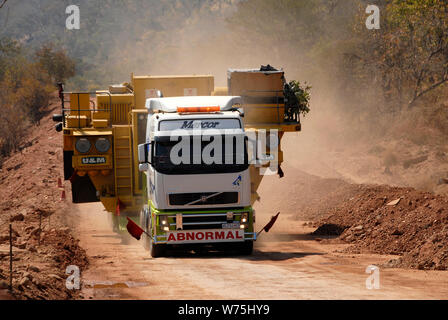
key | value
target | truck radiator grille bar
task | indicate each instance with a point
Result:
(206, 221)
(205, 198)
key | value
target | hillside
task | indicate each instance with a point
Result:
(29, 193)
(118, 37)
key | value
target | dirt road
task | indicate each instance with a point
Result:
(285, 265)
(287, 262)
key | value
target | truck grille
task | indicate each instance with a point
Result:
(207, 198)
(203, 221)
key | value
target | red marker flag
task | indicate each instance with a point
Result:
(134, 229)
(271, 223)
(60, 183)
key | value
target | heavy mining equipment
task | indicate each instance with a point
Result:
(112, 147)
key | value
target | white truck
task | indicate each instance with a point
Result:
(197, 184)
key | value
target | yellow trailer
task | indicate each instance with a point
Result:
(102, 129)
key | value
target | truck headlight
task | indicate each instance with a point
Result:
(83, 145)
(102, 145)
(164, 223)
(244, 217)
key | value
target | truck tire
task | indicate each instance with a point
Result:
(156, 250)
(144, 226)
(246, 248)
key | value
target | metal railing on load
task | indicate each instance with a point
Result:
(78, 109)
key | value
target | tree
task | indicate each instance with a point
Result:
(56, 63)
(409, 55)
(10, 51)
(421, 30)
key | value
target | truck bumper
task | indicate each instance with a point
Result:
(162, 239)
(202, 226)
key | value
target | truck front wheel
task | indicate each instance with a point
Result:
(246, 248)
(144, 225)
(156, 250)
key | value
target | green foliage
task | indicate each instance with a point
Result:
(408, 56)
(421, 27)
(366, 72)
(302, 96)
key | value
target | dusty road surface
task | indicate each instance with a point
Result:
(286, 264)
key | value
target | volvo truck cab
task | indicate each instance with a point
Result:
(197, 181)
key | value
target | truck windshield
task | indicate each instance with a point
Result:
(219, 155)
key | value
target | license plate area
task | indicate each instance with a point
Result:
(232, 225)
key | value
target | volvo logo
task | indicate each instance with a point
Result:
(237, 181)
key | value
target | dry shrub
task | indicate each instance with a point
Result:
(23, 98)
(13, 122)
(33, 97)
(425, 125)
(25, 89)
(56, 63)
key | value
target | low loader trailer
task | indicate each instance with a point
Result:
(176, 157)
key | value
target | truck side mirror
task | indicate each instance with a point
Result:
(144, 153)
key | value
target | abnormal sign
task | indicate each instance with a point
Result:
(203, 236)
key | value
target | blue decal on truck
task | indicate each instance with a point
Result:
(237, 181)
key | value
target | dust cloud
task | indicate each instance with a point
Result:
(338, 139)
